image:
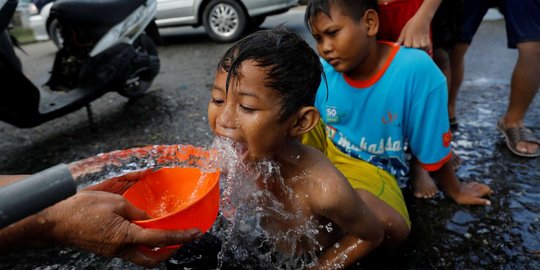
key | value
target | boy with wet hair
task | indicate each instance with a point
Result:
(262, 99)
(379, 98)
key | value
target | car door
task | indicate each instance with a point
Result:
(176, 12)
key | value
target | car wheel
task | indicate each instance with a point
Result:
(224, 20)
(54, 33)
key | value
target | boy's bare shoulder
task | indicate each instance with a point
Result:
(324, 184)
(319, 164)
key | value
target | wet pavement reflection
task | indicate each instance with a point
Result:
(505, 235)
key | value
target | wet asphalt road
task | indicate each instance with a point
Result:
(505, 235)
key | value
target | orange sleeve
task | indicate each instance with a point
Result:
(438, 165)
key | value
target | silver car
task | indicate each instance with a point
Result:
(223, 20)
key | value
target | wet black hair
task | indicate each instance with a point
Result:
(292, 67)
(354, 9)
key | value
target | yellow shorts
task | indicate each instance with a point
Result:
(361, 174)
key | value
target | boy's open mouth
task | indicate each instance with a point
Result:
(231, 148)
(243, 152)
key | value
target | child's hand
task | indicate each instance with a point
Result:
(472, 193)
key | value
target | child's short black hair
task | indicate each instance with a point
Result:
(292, 66)
(353, 9)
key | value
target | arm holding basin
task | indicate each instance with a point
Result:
(96, 221)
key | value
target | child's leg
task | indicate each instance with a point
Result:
(422, 184)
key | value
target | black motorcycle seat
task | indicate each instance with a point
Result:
(94, 12)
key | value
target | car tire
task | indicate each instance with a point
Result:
(224, 20)
(53, 30)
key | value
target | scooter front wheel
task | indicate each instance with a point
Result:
(146, 68)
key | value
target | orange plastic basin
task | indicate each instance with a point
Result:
(177, 198)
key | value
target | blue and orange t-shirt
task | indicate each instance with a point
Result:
(403, 105)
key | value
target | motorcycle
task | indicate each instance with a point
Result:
(102, 51)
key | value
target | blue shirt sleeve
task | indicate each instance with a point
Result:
(429, 131)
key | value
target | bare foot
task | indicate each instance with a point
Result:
(422, 184)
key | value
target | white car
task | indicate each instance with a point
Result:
(44, 30)
(223, 20)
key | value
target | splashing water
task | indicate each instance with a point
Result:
(104, 166)
(251, 215)
(255, 227)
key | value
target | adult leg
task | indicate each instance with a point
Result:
(457, 68)
(442, 59)
(524, 86)
(470, 19)
(523, 30)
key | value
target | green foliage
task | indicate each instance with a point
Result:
(23, 35)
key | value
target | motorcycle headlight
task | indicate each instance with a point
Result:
(127, 30)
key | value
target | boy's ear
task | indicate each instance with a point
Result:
(307, 118)
(372, 21)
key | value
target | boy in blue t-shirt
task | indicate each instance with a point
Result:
(379, 98)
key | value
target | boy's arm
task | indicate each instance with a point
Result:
(461, 192)
(345, 208)
(416, 32)
(345, 252)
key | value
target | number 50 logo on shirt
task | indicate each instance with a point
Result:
(331, 114)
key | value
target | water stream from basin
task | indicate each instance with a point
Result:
(248, 207)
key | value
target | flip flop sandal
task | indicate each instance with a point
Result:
(515, 135)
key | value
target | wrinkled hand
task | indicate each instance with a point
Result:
(472, 193)
(100, 222)
(416, 34)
